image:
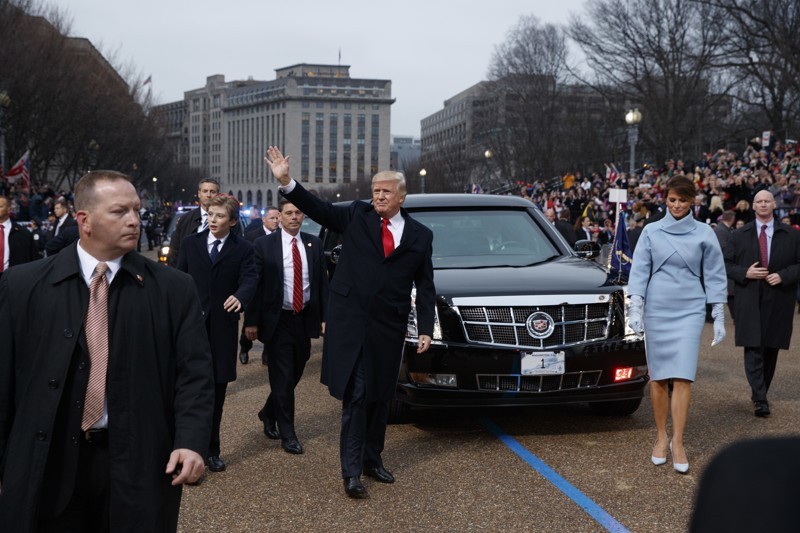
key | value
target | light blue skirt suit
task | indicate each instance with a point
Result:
(677, 268)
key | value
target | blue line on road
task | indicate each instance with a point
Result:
(583, 501)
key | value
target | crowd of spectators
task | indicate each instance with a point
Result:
(724, 180)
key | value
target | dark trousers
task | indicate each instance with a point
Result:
(219, 402)
(759, 367)
(363, 426)
(289, 350)
(244, 343)
(88, 509)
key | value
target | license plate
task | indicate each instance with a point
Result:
(542, 363)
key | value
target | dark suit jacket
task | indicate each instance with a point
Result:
(21, 246)
(567, 231)
(254, 234)
(255, 223)
(69, 222)
(370, 295)
(160, 391)
(64, 238)
(233, 273)
(265, 308)
(703, 215)
(764, 319)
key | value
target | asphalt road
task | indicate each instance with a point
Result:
(455, 474)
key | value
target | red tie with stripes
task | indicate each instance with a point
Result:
(386, 237)
(96, 331)
(762, 246)
(297, 290)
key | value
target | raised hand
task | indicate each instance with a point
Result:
(278, 164)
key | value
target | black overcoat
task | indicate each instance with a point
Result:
(765, 322)
(22, 247)
(370, 295)
(265, 308)
(233, 273)
(160, 389)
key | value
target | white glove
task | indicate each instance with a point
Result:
(635, 320)
(718, 314)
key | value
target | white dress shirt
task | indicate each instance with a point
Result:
(6, 251)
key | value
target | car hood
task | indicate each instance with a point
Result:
(566, 275)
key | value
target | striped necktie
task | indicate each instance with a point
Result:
(96, 331)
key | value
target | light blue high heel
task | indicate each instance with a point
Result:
(680, 468)
(658, 461)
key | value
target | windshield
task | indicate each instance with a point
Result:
(486, 238)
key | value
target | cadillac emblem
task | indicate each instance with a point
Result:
(540, 325)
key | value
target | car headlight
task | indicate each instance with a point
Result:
(412, 329)
(629, 334)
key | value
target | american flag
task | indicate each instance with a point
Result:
(21, 172)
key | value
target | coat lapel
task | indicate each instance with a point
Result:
(408, 237)
(227, 248)
(372, 225)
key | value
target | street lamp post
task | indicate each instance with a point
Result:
(155, 192)
(422, 174)
(633, 117)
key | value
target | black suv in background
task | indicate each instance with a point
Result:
(521, 319)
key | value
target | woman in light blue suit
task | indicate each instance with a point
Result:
(677, 268)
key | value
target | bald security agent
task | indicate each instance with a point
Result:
(385, 253)
(765, 290)
(152, 421)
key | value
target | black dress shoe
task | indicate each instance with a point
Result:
(354, 488)
(292, 446)
(244, 357)
(270, 427)
(215, 464)
(761, 409)
(379, 473)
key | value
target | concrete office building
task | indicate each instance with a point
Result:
(405, 153)
(336, 128)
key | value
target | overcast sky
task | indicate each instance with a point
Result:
(429, 49)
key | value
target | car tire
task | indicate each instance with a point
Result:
(617, 408)
(399, 412)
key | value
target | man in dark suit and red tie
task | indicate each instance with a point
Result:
(286, 313)
(763, 260)
(221, 264)
(385, 253)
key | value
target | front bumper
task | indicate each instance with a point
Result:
(488, 376)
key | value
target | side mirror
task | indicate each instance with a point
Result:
(337, 251)
(587, 249)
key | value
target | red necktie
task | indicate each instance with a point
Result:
(2, 247)
(386, 237)
(762, 246)
(96, 331)
(297, 290)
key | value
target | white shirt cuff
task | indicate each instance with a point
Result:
(288, 188)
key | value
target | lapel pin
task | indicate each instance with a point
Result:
(140, 279)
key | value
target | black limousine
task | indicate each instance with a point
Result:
(521, 319)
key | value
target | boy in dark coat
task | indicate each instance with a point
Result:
(223, 270)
